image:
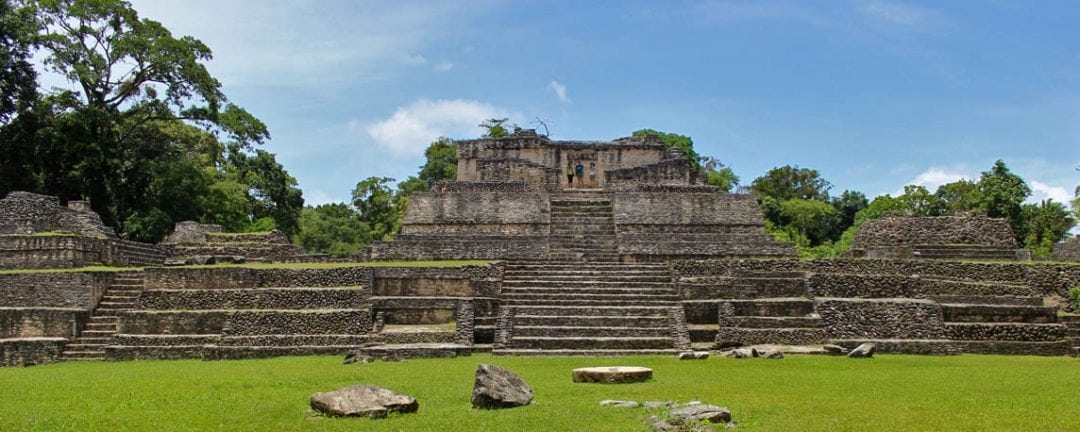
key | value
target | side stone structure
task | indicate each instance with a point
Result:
(37, 232)
(1068, 250)
(945, 237)
(190, 240)
(41, 312)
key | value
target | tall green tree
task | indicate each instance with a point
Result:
(335, 229)
(130, 74)
(1046, 223)
(18, 80)
(788, 182)
(1002, 194)
(960, 196)
(374, 199)
(440, 161)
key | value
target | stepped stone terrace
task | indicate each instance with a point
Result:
(634, 258)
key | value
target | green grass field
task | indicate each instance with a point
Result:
(887, 393)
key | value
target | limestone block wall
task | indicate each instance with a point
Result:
(896, 230)
(881, 318)
(24, 322)
(1068, 250)
(674, 172)
(27, 213)
(30, 351)
(207, 278)
(440, 295)
(52, 251)
(79, 290)
(689, 222)
(482, 223)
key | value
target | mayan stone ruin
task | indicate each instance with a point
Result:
(633, 256)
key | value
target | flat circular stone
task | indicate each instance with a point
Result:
(612, 374)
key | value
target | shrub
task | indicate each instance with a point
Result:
(1074, 298)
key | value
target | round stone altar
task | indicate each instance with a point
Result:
(612, 374)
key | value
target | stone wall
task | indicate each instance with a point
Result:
(30, 351)
(668, 172)
(896, 230)
(541, 161)
(479, 224)
(881, 318)
(245, 277)
(27, 213)
(687, 223)
(1068, 250)
(23, 322)
(80, 290)
(192, 239)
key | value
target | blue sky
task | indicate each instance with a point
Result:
(874, 94)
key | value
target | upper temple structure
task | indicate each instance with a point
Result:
(525, 196)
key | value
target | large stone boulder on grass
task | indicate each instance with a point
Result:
(496, 387)
(363, 401)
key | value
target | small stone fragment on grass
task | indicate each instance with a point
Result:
(834, 349)
(355, 357)
(773, 354)
(740, 353)
(865, 350)
(363, 401)
(496, 387)
(612, 375)
(694, 413)
(619, 403)
(693, 355)
(658, 404)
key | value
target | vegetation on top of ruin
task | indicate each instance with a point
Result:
(798, 393)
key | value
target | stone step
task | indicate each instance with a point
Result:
(590, 332)
(214, 352)
(587, 271)
(78, 346)
(575, 265)
(93, 340)
(586, 302)
(1005, 332)
(103, 319)
(787, 307)
(97, 333)
(742, 292)
(111, 325)
(772, 322)
(595, 281)
(573, 289)
(998, 313)
(159, 352)
(733, 336)
(588, 352)
(165, 340)
(755, 274)
(606, 311)
(587, 343)
(989, 300)
(84, 355)
(590, 297)
(591, 320)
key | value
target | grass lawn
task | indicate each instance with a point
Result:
(799, 393)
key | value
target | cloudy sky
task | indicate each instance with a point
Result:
(874, 94)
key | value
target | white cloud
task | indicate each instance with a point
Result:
(411, 128)
(560, 91)
(911, 17)
(444, 66)
(413, 59)
(936, 176)
(1041, 191)
(318, 198)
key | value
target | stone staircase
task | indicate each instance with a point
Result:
(1072, 333)
(575, 308)
(968, 252)
(768, 307)
(102, 326)
(582, 228)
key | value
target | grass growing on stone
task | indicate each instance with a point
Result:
(72, 270)
(887, 393)
(333, 265)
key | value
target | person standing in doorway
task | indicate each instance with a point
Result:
(569, 174)
(592, 174)
(579, 171)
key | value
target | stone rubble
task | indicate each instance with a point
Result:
(363, 401)
(496, 387)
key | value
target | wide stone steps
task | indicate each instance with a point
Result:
(589, 290)
(84, 355)
(122, 295)
(737, 336)
(584, 352)
(592, 343)
(773, 322)
(561, 282)
(591, 332)
(590, 320)
(989, 300)
(587, 302)
(576, 266)
(606, 311)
